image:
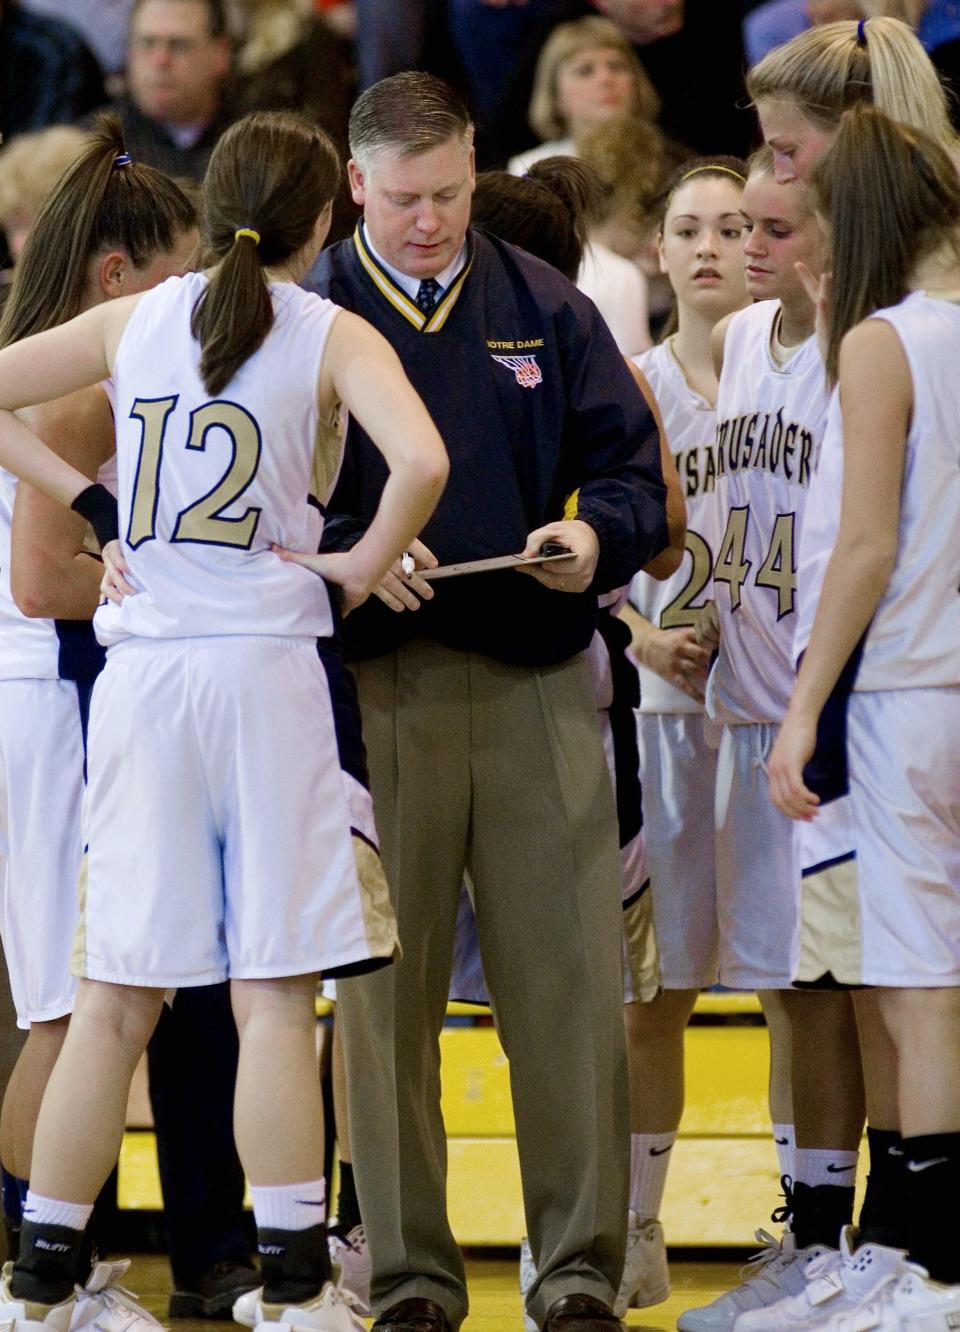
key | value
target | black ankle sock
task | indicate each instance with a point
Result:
(294, 1264)
(12, 1237)
(348, 1205)
(47, 1268)
(88, 1257)
(933, 1181)
(883, 1216)
(820, 1211)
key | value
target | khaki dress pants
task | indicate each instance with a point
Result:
(498, 770)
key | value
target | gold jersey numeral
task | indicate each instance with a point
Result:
(203, 521)
(681, 612)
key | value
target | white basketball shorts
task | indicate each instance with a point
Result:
(904, 762)
(757, 873)
(225, 838)
(679, 783)
(830, 926)
(41, 792)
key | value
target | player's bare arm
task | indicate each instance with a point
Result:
(670, 558)
(876, 399)
(52, 573)
(361, 370)
(50, 365)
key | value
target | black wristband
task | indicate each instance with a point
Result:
(99, 507)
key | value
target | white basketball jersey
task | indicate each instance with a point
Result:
(821, 522)
(691, 427)
(29, 647)
(207, 485)
(770, 421)
(913, 641)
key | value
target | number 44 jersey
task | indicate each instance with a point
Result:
(207, 484)
(673, 603)
(770, 423)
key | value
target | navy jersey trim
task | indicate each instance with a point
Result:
(826, 773)
(357, 968)
(623, 726)
(828, 981)
(635, 897)
(346, 713)
(79, 656)
(824, 865)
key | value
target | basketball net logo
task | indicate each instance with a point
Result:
(525, 369)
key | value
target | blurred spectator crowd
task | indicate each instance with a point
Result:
(631, 86)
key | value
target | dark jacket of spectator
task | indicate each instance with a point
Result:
(149, 141)
(49, 75)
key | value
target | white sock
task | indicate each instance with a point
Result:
(289, 1206)
(649, 1161)
(815, 1166)
(785, 1138)
(52, 1212)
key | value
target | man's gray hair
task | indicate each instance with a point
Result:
(408, 113)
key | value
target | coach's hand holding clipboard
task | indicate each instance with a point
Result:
(402, 588)
(568, 575)
(550, 550)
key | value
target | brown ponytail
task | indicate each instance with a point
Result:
(544, 212)
(892, 196)
(99, 204)
(271, 173)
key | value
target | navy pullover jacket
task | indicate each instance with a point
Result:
(523, 436)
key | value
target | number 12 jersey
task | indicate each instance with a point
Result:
(207, 485)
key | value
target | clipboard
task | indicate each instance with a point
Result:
(489, 565)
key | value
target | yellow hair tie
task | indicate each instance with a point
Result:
(247, 231)
(709, 166)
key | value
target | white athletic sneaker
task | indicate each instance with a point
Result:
(351, 1254)
(105, 1306)
(646, 1279)
(246, 1307)
(24, 1316)
(910, 1302)
(528, 1275)
(528, 1268)
(770, 1275)
(837, 1281)
(333, 1310)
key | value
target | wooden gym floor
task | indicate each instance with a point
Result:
(493, 1289)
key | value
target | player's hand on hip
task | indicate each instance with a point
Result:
(792, 751)
(113, 586)
(404, 591)
(574, 574)
(335, 567)
(676, 655)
